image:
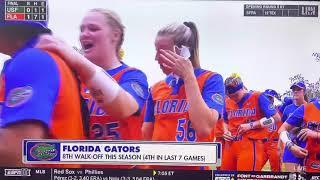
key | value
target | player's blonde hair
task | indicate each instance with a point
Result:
(233, 80)
(185, 34)
(114, 21)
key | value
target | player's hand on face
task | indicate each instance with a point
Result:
(227, 136)
(54, 44)
(299, 151)
(176, 64)
(243, 128)
(306, 133)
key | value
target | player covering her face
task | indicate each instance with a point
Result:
(200, 89)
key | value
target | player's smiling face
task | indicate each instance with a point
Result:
(96, 36)
(164, 43)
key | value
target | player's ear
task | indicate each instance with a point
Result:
(116, 35)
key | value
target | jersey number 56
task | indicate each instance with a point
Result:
(185, 132)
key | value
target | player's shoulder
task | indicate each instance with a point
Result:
(33, 60)
(132, 73)
(32, 52)
(159, 85)
(259, 93)
(211, 78)
(209, 73)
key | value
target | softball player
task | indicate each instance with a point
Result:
(307, 117)
(291, 162)
(184, 109)
(249, 114)
(271, 145)
(39, 94)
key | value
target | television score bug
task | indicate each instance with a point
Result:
(26, 10)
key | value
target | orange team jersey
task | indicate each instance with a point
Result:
(271, 146)
(246, 153)
(308, 116)
(167, 108)
(47, 92)
(249, 110)
(104, 126)
(170, 126)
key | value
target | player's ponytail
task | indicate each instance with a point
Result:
(194, 44)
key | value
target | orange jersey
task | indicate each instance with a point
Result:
(49, 95)
(219, 128)
(312, 121)
(172, 121)
(249, 111)
(308, 116)
(103, 126)
(168, 110)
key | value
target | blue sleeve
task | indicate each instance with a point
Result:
(225, 114)
(296, 119)
(285, 114)
(149, 115)
(31, 88)
(282, 108)
(135, 82)
(265, 105)
(213, 93)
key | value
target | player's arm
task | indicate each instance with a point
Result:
(11, 139)
(265, 122)
(271, 116)
(226, 133)
(295, 120)
(29, 101)
(148, 124)
(135, 83)
(104, 89)
(205, 107)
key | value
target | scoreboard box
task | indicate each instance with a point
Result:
(26, 10)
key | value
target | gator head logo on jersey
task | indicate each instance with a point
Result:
(218, 99)
(271, 107)
(43, 152)
(137, 89)
(315, 165)
(19, 96)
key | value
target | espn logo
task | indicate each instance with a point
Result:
(17, 172)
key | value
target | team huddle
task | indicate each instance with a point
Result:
(95, 95)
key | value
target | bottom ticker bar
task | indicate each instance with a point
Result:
(100, 174)
(139, 174)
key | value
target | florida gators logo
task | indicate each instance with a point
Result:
(315, 165)
(43, 152)
(19, 96)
